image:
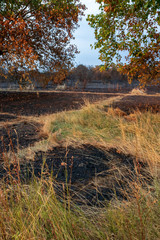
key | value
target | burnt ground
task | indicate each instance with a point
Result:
(94, 173)
(18, 135)
(132, 103)
(31, 103)
(7, 117)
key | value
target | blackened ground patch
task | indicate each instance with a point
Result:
(132, 103)
(20, 135)
(31, 103)
(92, 174)
(6, 117)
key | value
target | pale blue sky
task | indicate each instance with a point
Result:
(84, 36)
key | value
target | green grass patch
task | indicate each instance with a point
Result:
(87, 123)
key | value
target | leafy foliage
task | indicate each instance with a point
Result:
(37, 33)
(131, 26)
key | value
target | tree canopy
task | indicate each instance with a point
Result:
(37, 33)
(131, 26)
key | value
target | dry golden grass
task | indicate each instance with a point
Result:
(138, 91)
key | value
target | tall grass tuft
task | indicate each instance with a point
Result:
(35, 211)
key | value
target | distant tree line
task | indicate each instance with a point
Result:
(78, 75)
(84, 75)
